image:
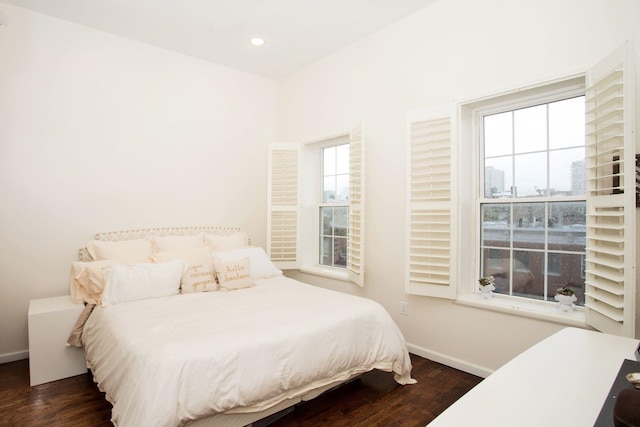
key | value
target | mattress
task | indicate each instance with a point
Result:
(169, 360)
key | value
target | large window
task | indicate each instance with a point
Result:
(334, 206)
(532, 204)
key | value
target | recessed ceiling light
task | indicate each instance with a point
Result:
(257, 41)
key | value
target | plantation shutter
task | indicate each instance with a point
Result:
(611, 176)
(431, 234)
(355, 258)
(283, 194)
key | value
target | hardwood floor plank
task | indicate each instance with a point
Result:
(374, 399)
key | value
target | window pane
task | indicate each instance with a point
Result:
(528, 274)
(329, 161)
(342, 159)
(340, 252)
(566, 270)
(340, 221)
(326, 252)
(334, 232)
(566, 123)
(496, 220)
(530, 129)
(566, 172)
(498, 134)
(498, 177)
(342, 188)
(530, 175)
(495, 262)
(567, 226)
(529, 225)
(326, 226)
(329, 189)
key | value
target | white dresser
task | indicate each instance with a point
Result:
(50, 322)
(561, 381)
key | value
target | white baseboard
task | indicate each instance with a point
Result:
(12, 357)
(459, 364)
(435, 356)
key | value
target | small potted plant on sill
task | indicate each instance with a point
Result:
(566, 298)
(487, 286)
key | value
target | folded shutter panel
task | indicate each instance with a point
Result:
(355, 263)
(611, 177)
(431, 205)
(284, 205)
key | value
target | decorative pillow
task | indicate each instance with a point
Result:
(199, 275)
(87, 281)
(125, 251)
(199, 278)
(225, 243)
(177, 243)
(233, 274)
(260, 266)
(143, 281)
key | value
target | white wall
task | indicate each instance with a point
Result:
(100, 133)
(454, 50)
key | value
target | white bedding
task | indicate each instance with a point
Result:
(165, 361)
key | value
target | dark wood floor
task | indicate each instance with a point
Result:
(372, 400)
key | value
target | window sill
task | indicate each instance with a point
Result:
(539, 310)
(329, 273)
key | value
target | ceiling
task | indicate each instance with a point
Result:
(297, 32)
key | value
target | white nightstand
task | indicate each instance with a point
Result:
(50, 322)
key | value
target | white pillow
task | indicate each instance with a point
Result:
(225, 243)
(125, 251)
(143, 281)
(177, 243)
(260, 265)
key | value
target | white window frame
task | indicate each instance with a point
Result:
(312, 202)
(471, 114)
(540, 96)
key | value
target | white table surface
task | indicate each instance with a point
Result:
(561, 381)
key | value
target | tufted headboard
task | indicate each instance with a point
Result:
(116, 236)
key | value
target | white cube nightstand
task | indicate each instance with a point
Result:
(50, 322)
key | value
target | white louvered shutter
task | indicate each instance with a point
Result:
(611, 175)
(355, 259)
(283, 245)
(431, 205)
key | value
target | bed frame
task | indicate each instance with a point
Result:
(116, 236)
(229, 418)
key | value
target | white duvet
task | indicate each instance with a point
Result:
(165, 361)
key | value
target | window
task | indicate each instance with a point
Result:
(334, 207)
(533, 201)
(316, 216)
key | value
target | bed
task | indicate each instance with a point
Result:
(223, 353)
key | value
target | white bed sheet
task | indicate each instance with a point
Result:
(165, 361)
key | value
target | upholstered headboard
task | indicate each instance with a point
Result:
(116, 236)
